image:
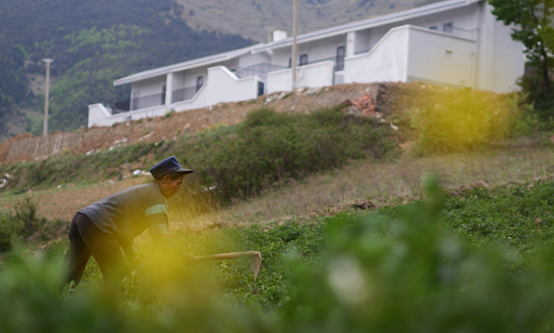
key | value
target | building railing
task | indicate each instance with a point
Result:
(362, 51)
(147, 101)
(338, 65)
(453, 30)
(178, 95)
(138, 103)
(184, 94)
(465, 33)
(456, 31)
(260, 70)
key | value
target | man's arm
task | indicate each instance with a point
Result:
(130, 252)
(159, 234)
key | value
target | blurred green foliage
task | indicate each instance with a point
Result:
(463, 119)
(404, 268)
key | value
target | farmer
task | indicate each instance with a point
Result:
(101, 228)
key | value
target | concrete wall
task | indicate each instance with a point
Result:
(482, 56)
(498, 63)
(312, 76)
(466, 18)
(386, 62)
(445, 59)
(221, 85)
(97, 113)
(316, 50)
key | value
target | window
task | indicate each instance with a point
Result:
(290, 63)
(448, 27)
(303, 59)
(163, 94)
(199, 82)
(434, 27)
(340, 58)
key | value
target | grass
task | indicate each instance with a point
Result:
(358, 181)
(471, 261)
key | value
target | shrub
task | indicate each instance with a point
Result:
(25, 226)
(270, 148)
(465, 119)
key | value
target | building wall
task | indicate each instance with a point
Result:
(508, 65)
(221, 86)
(465, 18)
(316, 50)
(386, 62)
(311, 76)
(147, 87)
(482, 56)
(445, 59)
(253, 59)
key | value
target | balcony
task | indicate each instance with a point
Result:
(154, 100)
(260, 70)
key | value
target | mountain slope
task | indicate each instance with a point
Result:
(95, 42)
(92, 43)
(255, 18)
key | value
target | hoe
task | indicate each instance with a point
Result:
(256, 262)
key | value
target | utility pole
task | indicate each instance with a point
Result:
(46, 95)
(294, 51)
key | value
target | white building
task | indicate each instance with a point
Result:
(455, 43)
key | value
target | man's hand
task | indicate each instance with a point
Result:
(189, 258)
(137, 264)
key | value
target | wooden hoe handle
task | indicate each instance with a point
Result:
(255, 264)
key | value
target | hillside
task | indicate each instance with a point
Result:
(29, 148)
(254, 19)
(93, 43)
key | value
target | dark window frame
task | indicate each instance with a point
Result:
(340, 58)
(199, 82)
(303, 60)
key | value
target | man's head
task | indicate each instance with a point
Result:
(169, 175)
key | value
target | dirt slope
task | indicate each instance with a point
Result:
(26, 147)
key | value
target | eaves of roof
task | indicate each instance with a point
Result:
(209, 60)
(367, 23)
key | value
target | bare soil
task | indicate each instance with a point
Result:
(26, 147)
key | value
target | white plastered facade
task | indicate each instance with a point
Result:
(454, 43)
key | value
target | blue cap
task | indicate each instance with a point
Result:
(167, 166)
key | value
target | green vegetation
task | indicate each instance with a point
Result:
(12, 81)
(446, 120)
(24, 226)
(92, 43)
(425, 266)
(532, 26)
(233, 163)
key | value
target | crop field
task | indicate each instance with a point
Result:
(481, 253)
(355, 234)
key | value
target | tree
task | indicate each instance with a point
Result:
(532, 20)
